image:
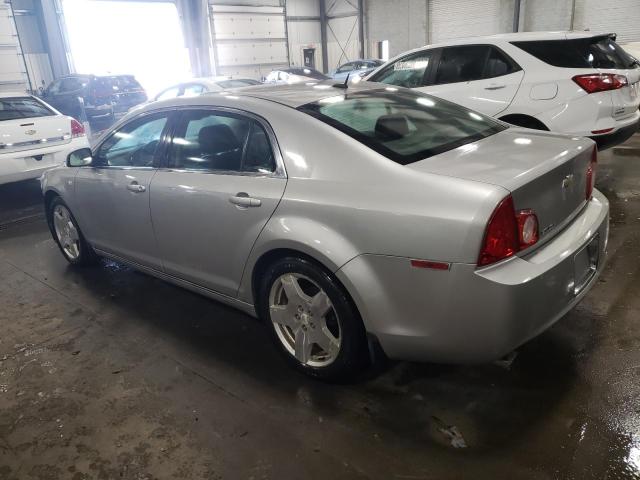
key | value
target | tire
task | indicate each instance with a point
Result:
(321, 311)
(67, 234)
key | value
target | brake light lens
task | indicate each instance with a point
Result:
(591, 173)
(508, 232)
(77, 130)
(600, 82)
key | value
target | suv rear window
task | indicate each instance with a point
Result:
(22, 107)
(403, 126)
(595, 52)
(122, 83)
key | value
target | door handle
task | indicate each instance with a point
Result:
(242, 200)
(494, 87)
(135, 187)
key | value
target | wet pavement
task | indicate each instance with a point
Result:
(109, 373)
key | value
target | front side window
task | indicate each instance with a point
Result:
(22, 107)
(134, 144)
(193, 90)
(407, 72)
(168, 93)
(404, 126)
(216, 141)
(347, 67)
(461, 64)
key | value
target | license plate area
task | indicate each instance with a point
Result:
(585, 264)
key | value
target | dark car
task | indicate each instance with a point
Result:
(103, 98)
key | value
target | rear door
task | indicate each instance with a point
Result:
(67, 95)
(27, 123)
(112, 195)
(480, 77)
(223, 181)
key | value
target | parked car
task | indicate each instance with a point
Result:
(578, 83)
(336, 217)
(34, 137)
(295, 75)
(103, 98)
(357, 67)
(198, 86)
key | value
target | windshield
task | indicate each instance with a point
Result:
(595, 52)
(22, 107)
(404, 126)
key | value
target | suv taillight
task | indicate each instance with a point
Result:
(600, 82)
(507, 232)
(77, 130)
(591, 173)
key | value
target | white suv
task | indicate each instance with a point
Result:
(577, 83)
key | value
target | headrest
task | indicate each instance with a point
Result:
(217, 138)
(392, 127)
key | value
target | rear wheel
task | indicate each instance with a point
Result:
(312, 320)
(67, 234)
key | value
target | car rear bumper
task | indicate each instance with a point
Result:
(471, 315)
(616, 137)
(30, 164)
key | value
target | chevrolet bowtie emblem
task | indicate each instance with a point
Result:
(30, 132)
(567, 181)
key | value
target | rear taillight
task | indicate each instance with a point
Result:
(591, 173)
(77, 130)
(600, 82)
(507, 232)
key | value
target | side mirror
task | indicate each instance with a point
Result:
(80, 158)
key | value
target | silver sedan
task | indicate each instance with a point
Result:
(347, 219)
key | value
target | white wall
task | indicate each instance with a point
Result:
(464, 18)
(12, 68)
(304, 33)
(343, 42)
(402, 22)
(619, 16)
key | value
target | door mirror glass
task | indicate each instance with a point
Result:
(80, 158)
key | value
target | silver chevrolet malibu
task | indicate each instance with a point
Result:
(350, 220)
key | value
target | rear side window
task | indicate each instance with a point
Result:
(596, 52)
(407, 72)
(404, 126)
(22, 107)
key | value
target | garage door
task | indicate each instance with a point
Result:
(248, 41)
(462, 18)
(13, 76)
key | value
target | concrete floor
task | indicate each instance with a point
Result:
(108, 373)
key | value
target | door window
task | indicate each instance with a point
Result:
(499, 64)
(407, 72)
(215, 141)
(134, 144)
(462, 64)
(168, 93)
(193, 90)
(347, 67)
(71, 84)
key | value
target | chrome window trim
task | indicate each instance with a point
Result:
(279, 172)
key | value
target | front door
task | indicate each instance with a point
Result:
(112, 196)
(221, 187)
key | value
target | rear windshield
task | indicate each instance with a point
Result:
(596, 52)
(307, 72)
(404, 126)
(22, 107)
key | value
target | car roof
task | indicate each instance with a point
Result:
(518, 37)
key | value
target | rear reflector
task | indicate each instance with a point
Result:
(604, 130)
(429, 264)
(600, 82)
(77, 130)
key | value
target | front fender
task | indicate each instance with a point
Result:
(312, 238)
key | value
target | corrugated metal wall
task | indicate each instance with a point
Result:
(463, 18)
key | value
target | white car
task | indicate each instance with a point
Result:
(34, 137)
(198, 86)
(577, 83)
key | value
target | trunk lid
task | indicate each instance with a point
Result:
(29, 133)
(544, 172)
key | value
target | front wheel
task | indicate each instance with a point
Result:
(68, 236)
(312, 319)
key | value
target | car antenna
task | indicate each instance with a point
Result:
(344, 85)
